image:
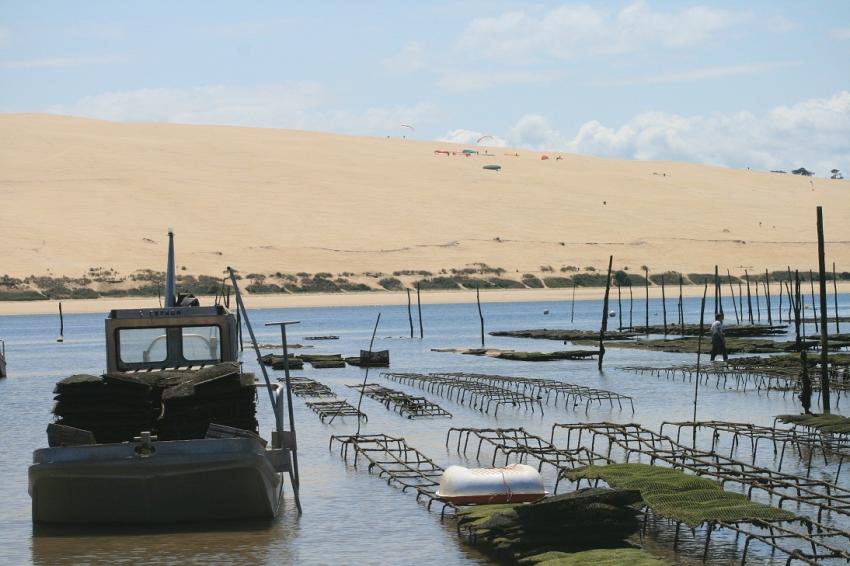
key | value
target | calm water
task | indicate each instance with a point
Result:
(350, 516)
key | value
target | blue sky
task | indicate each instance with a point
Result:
(761, 84)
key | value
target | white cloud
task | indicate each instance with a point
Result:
(473, 80)
(711, 73)
(410, 58)
(59, 62)
(813, 133)
(572, 29)
(471, 137)
(841, 34)
(298, 105)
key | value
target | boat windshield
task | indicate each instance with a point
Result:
(139, 345)
(180, 344)
(201, 343)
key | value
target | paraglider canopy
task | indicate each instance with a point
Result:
(408, 126)
(493, 167)
(470, 152)
(482, 138)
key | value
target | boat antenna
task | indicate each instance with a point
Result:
(170, 286)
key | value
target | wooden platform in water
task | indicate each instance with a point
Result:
(521, 356)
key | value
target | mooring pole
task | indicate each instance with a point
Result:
(749, 297)
(61, 325)
(806, 382)
(283, 325)
(824, 337)
(409, 313)
(717, 307)
(732, 293)
(780, 301)
(631, 305)
(419, 309)
(681, 307)
(480, 314)
(664, 304)
(366, 377)
(699, 348)
(835, 297)
(646, 287)
(619, 307)
(278, 413)
(605, 313)
(758, 302)
(573, 302)
(790, 282)
(767, 297)
(812, 286)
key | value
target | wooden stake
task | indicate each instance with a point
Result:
(664, 304)
(767, 297)
(835, 297)
(717, 307)
(61, 325)
(646, 285)
(749, 297)
(681, 308)
(419, 308)
(619, 306)
(732, 292)
(605, 313)
(699, 347)
(573, 301)
(409, 314)
(758, 302)
(631, 305)
(824, 337)
(806, 382)
(740, 299)
(480, 314)
(719, 291)
(814, 306)
(790, 281)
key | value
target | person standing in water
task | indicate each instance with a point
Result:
(718, 338)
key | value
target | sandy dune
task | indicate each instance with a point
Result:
(78, 193)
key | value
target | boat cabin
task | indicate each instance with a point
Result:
(178, 337)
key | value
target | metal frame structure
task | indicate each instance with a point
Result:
(463, 391)
(829, 444)
(307, 387)
(536, 388)
(401, 464)
(634, 439)
(743, 378)
(405, 405)
(336, 407)
(799, 540)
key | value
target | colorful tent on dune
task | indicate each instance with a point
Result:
(468, 152)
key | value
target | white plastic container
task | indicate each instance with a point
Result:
(516, 483)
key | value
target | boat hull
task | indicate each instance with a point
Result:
(180, 481)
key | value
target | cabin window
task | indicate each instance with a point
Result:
(140, 345)
(201, 343)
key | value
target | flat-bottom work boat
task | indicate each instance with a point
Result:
(169, 433)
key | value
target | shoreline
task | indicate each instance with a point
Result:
(376, 298)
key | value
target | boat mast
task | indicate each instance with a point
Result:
(170, 286)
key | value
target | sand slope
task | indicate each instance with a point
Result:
(78, 193)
